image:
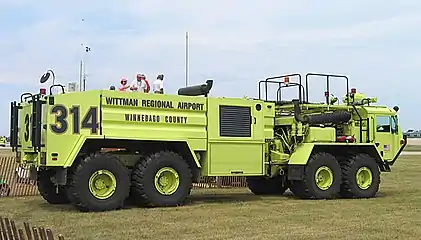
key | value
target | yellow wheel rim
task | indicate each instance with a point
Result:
(102, 184)
(324, 177)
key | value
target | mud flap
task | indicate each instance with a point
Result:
(295, 172)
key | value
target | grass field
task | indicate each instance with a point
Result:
(237, 214)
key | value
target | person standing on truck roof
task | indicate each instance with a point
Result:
(124, 87)
(140, 84)
(158, 84)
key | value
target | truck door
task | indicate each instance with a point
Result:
(235, 137)
(384, 137)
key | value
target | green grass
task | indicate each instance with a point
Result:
(237, 214)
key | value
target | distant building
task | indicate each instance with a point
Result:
(411, 133)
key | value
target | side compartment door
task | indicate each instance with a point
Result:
(235, 137)
(384, 136)
(25, 127)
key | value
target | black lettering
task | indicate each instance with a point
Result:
(175, 119)
(75, 112)
(191, 106)
(28, 120)
(109, 100)
(60, 125)
(122, 101)
(157, 104)
(90, 120)
(141, 118)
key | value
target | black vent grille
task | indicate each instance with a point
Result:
(234, 121)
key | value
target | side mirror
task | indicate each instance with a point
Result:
(396, 108)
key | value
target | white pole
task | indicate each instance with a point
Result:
(86, 49)
(80, 75)
(187, 58)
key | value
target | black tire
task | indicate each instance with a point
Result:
(79, 185)
(307, 187)
(48, 189)
(143, 188)
(350, 167)
(267, 186)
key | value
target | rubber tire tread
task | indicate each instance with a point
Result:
(143, 189)
(78, 186)
(47, 189)
(266, 186)
(349, 167)
(307, 189)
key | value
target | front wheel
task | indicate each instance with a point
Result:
(52, 193)
(161, 179)
(101, 182)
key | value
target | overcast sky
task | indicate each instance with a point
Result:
(236, 43)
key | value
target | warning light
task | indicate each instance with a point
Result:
(42, 91)
(326, 94)
(353, 90)
(286, 80)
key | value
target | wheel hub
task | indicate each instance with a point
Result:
(167, 181)
(102, 184)
(364, 178)
(324, 177)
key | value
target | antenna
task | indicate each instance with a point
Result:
(187, 58)
(82, 77)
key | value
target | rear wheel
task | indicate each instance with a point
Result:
(361, 176)
(267, 186)
(321, 178)
(99, 183)
(161, 179)
(52, 193)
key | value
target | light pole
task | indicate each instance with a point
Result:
(187, 58)
(87, 49)
(82, 72)
(80, 75)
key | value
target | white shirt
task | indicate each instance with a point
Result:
(158, 85)
(141, 86)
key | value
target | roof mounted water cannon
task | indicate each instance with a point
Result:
(358, 98)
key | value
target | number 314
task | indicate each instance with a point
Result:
(89, 121)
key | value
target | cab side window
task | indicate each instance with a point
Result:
(383, 123)
(395, 124)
